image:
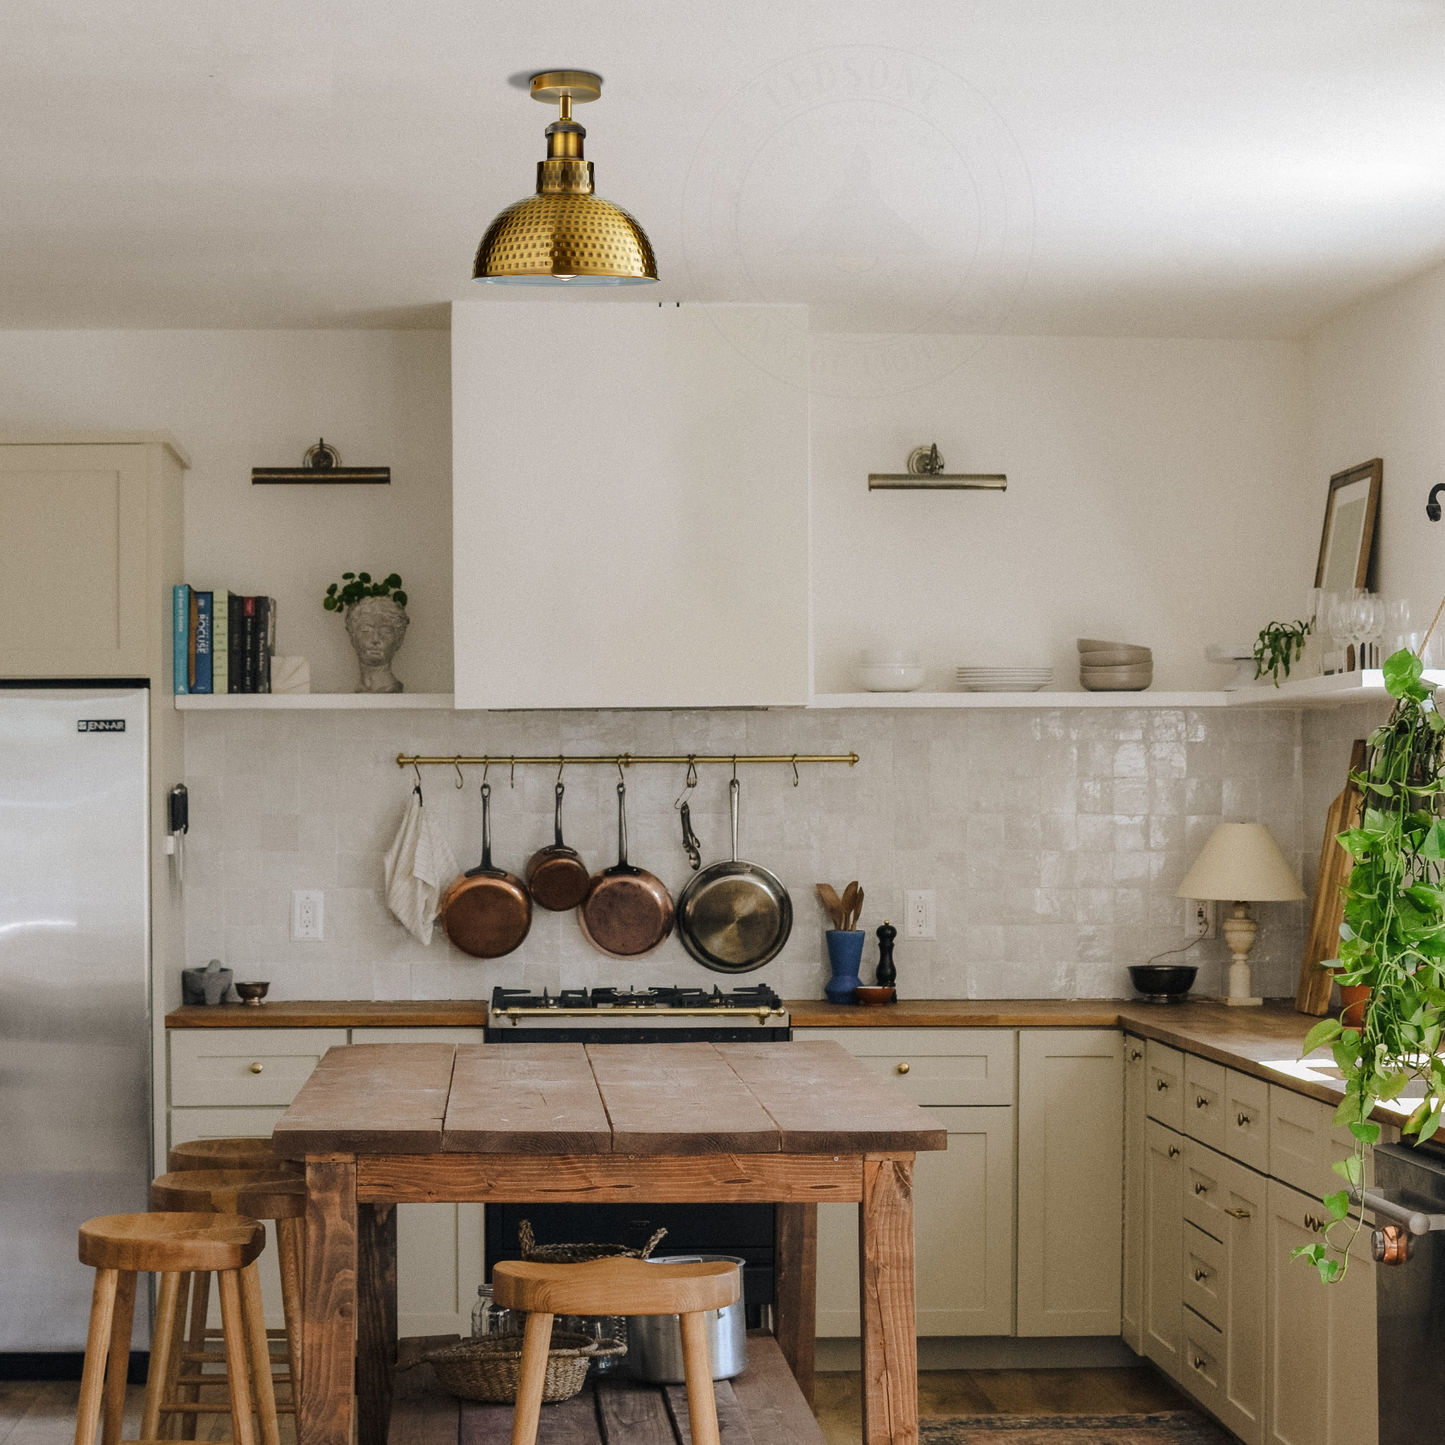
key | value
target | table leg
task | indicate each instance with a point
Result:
(885, 1267)
(796, 1290)
(376, 1320)
(328, 1303)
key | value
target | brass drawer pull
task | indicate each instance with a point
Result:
(1161, 1084)
(1173, 1151)
(1237, 1213)
(1135, 1055)
(1315, 1224)
(1199, 1364)
(1200, 1275)
(1200, 1102)
(256, 1066)
(1245, 1119)
(1201, 1189)
(903, 1068)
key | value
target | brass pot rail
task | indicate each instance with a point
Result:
(619, 760)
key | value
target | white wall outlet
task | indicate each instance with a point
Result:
(919, 913)
(308, 913)
(1199, 918)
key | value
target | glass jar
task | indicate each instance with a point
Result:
(599, 1328)
(489, 1318)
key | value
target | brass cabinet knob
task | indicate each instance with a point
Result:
(1173, 1151)
(1198, 1364)
(1245, 1119)
(903, 1068)
(1161, 1084)
(1314, 1224)
(1201, 1189)
(1135, 1055)
(256, 1066)
(1200, 1102)
(1200, 1275)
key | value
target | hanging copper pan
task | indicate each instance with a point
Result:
(487, 911)
(557, 878)
(628, 911)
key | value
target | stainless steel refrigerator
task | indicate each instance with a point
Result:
(74, 995)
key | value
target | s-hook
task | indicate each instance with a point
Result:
(461, 781)
(416, 787)
(795, 770)
(1432, 507)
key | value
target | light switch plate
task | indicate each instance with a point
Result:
(920, 913)
(308, 914)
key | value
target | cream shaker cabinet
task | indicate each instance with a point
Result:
(963, 1198)
(630, 505)
(226, 1082)
(1131, 1326)
(1070, 1181)
(1163, 1245)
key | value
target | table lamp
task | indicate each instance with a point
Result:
(1241, 863)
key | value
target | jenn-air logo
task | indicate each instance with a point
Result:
(100, 725)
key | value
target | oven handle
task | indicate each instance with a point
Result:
(1414, 1220)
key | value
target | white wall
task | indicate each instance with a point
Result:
(1375, 390)
(1155, 496)
(238, 399)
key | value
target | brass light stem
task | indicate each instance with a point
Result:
(564, 107)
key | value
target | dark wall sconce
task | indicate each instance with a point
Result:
(322, 463)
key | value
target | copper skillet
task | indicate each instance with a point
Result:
(487, 911)
(556, 875)
(628, 911)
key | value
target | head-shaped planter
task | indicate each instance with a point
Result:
(376, 626)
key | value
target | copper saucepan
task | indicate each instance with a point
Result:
(487, 911)
(628, 911)
(556, 875)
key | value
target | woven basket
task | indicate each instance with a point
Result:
(488, 1369)
(580, 1253)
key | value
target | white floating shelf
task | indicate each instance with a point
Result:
(310, 701)
(1033, 700)
(1339, 690)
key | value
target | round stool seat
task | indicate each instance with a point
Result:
(240, 1153)
(256, 1193)
(169, 1243)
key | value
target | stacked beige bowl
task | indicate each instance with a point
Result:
(1114, 666)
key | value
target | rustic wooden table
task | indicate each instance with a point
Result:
(793, 1124)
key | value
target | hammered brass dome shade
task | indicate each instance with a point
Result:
(565, 234)
(548, 238)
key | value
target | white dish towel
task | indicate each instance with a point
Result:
(419, 865)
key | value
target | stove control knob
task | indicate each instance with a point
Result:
(903, 1068)
(1390, 1245)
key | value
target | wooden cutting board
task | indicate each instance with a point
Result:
(1323, 936)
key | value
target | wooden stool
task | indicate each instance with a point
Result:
(254, 1194)
(615, 1287)
(236, 1153)
(118, 1247)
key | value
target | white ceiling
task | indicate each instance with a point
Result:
(1147, 167)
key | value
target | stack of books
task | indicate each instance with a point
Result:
(223, 642)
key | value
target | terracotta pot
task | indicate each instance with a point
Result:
(1355, 997)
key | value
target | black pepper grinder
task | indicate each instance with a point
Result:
(886, 975)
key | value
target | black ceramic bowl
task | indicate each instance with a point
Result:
(1163, 982)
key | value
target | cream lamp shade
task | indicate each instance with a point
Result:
(1241, 862)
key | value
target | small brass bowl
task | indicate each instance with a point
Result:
(252, 993)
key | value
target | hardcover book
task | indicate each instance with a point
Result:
(180, 638)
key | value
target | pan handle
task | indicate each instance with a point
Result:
(621, 824)
(486, 827)
(733, 805)
(557, 818)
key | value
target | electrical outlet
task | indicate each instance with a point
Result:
(919, 913)
(1199, 918)
(308, 914)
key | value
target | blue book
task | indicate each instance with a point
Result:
(205, 634)
(181, 630)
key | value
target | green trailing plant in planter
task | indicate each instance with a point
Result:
(376, 623)
(1392, 940)
(1280, 645)
(356, 585)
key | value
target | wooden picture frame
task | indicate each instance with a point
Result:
(1351, 508)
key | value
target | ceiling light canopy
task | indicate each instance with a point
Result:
(565, 235)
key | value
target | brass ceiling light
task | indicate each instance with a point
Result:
(565, 235)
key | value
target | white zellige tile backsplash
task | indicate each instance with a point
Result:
(1054, 838)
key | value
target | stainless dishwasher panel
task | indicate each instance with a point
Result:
(1410, 1300)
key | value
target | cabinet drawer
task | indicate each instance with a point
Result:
(1204, 1090)
(244, 1066)
(1246, 1120)
(1205, 1281)
(934, 1066)
(1203, 1372)
(1164, 1086)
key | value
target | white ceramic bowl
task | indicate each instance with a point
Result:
(890, 677)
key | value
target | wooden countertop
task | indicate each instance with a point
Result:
(1240, 1038)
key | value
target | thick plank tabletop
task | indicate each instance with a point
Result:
(572, 1099)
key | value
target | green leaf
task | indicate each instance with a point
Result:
(400, 599)
(1434, 845)
(1329, 1270)
(1369, 1133)
(1428, 1128)
(1312, 1252)
(1338, 1204)
(347, 576)
(1402, 675)
(1322, 1033)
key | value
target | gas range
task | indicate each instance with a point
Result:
(697, 1011)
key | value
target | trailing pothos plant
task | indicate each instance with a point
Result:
(1280, 645)
(1392, 940)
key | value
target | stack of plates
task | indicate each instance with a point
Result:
(1004, 679)
(1114, 666)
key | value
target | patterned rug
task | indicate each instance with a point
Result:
(1172, 1427)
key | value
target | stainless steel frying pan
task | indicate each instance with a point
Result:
(734, 917)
